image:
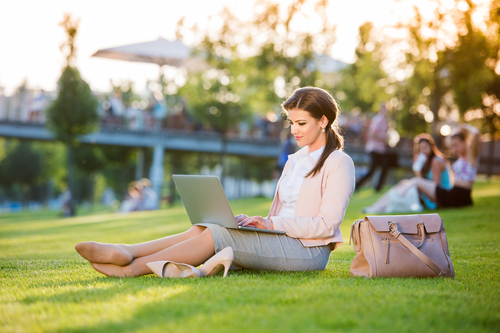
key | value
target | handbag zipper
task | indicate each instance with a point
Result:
(387, 250)
(410, 239)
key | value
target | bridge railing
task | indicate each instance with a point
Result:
(29, 107)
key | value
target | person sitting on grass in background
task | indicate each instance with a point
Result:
(428, 163)
(465, 145)
(309, 205)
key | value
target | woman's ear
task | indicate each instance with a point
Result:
(324, 121)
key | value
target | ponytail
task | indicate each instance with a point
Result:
(334, 141)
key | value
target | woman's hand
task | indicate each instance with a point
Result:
(254, 222)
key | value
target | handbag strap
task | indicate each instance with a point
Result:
(406, 243)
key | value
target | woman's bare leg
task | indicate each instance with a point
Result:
(380, 205)
(425, 186)
(193, 251)
(121, 254)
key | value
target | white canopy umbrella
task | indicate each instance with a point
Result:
(160, 52)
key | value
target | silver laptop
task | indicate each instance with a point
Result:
(205, 202)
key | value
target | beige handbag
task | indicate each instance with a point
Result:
(400, 245)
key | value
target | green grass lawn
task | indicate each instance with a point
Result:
(45, 286)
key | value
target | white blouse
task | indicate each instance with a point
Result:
(290, 186)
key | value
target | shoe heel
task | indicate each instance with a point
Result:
(227, 265)
(221, 260)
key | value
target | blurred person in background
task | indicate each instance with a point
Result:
(464, 143)
(116, 103)
(133, 198)
(38, 105)
(287, 148)
(377, 148)
(428, 163)
(149, 198)
(140, 197)
(67, 208)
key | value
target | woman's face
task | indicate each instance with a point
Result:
(424, 147)
(306, 129)
(458, 146)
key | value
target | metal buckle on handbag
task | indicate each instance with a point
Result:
(393, 229)
(421, 232)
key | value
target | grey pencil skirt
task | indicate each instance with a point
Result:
(273, 252)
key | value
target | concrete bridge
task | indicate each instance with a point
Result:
(195, 141)
(206, 142)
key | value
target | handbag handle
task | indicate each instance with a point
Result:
(393, 229)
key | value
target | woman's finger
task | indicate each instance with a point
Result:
(248, 222)
(240, 218)
(241, 221)
(257, 222)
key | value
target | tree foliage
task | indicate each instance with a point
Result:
(426, 59)
(74, 111)
(22, 165)
(217, 97)
(255, 63)
(364, 83)
(287, 50)
(265, 58)
(475, 82)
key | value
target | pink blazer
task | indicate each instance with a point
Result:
(321, 203)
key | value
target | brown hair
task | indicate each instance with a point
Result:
(462, 135)
(318, 103)
(424, 137)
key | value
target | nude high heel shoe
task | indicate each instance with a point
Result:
(214, 265)
(173, 269)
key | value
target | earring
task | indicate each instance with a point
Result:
(323, 130)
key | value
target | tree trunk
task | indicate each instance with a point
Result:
(71, 179)
(434, 105)
(222, 157)
(174, 162)
(491, 151)
(92, 188)
(139, 164)
(241, 177)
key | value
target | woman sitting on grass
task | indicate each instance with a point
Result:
(428, 163)
(465, 145)
(435, 166)
(309, 205)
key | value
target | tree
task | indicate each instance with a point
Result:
(364, 84)
(22, 167)
(475, 78)
(74, 111)
(255, 63)
(426, 60)
(214, 99)
(286, 52)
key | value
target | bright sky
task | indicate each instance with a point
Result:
(30, 35)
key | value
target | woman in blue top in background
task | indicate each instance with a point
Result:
(429, 163)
